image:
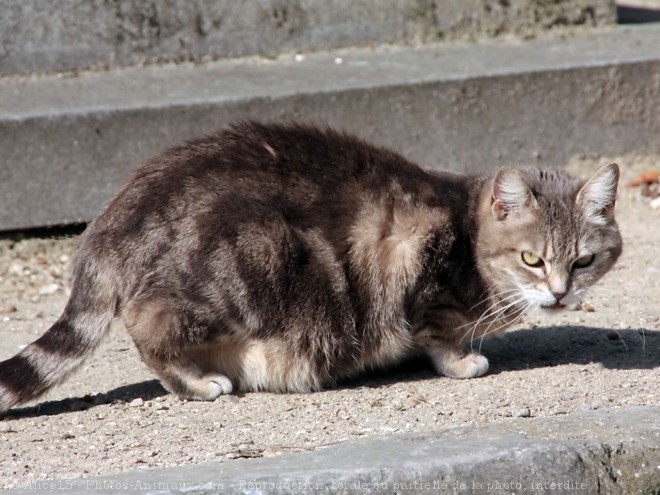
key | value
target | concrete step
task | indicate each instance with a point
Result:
(614, 452)
(68, 142)
(69, 35)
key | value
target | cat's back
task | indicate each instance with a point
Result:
(251, 152)
(250, 170)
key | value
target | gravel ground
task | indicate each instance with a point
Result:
(113, 416)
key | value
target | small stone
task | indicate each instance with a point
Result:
(49, 289)
(8, 309)
(298, 57)
(6, 428)
(387, 429)
(524, 413)
(68, 436)
(136, 402)
(16, 268)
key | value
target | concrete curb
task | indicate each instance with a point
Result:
(68, 35)
(68, 143)
(615, 451)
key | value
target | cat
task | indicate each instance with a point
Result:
(285, 257)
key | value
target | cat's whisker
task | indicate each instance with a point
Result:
(520, 313)
(517, 312)
(495, 315)
(493, 308)
(642, 336)
(621, 338)
(494, 297)
(641, 333)
(492, 311)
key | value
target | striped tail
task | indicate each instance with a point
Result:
(56, 354)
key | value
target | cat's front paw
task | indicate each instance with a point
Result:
(456, 366)
(218, 385)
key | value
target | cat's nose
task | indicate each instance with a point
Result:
(559, 295)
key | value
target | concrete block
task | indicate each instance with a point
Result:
(614, 452)
(69, 142)
(70, 35)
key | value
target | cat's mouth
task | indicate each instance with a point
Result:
(556, 305)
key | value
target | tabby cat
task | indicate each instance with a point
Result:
(287, 257)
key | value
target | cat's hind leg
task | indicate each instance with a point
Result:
(162, 340)
(185, 380)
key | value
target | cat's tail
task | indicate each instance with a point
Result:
(50, 359)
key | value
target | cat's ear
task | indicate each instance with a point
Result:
(510, 193)
(598, 195)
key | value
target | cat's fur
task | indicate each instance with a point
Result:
(285, 257)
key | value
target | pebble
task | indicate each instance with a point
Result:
(387, 429)
(49, 289)
(6, 428)
(16, 268)
(136, 402)
(524, 413)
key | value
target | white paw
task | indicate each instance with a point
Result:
(474, 365)
(218, 385)
(468, 366)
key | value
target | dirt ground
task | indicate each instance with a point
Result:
(113, 416)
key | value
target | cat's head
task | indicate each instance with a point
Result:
(545, 237)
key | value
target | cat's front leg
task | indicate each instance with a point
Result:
(448, 355)
(458, 363)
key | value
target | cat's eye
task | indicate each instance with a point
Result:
(530, 259)
(584, 261)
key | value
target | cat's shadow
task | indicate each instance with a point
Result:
(552, 346)
(146, 390)
(523, 349)
(544, 347)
